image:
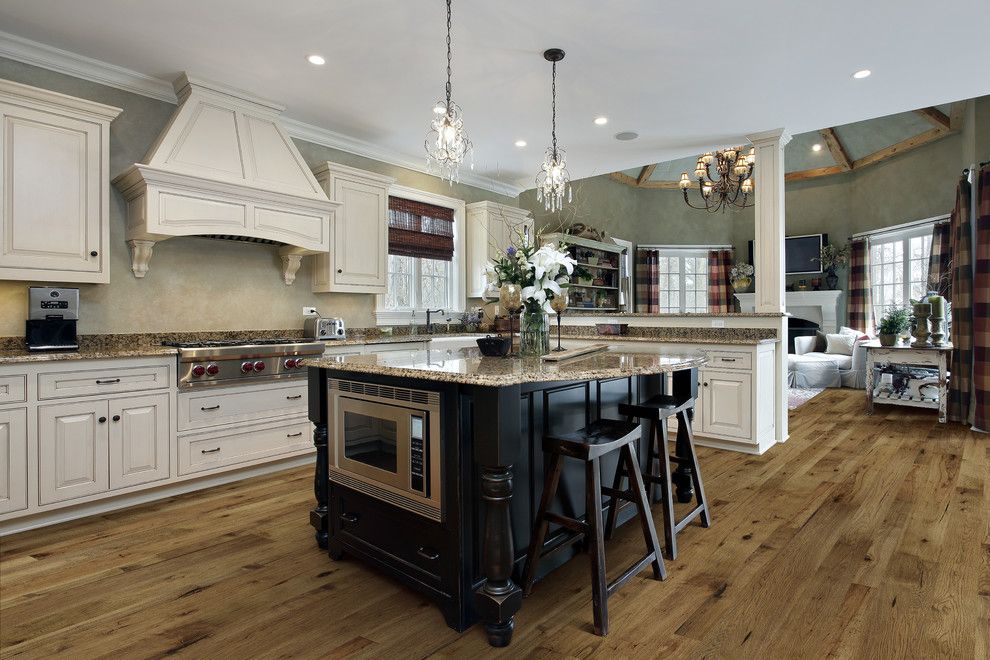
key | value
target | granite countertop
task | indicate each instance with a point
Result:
(468, 367)
(21, 355)
(742, 341)
(657, 315)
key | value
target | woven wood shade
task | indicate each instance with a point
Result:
(417, 229)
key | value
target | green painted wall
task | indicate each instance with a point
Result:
(195, 284)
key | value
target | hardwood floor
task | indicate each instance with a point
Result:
(861, 537)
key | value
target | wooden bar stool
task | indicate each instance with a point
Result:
(589, 444)
(656, 411)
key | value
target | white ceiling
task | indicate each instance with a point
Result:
(685, 76)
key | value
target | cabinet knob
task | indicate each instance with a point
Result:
(102, 420)
(340, 270)
(94, 253)
(705, 384)
(116, 418)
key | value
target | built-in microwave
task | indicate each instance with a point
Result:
(385, 442)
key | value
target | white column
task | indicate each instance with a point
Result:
(769, 253)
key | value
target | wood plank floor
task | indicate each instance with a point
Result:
(862, 537)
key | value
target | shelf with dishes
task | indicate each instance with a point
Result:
(594, 286)
(601, 281)
(597, 266)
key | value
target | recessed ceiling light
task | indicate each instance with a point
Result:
(318, 60)
(520, 143)
(862, 73)
(816, 147)
(601, 121)
(625, 136)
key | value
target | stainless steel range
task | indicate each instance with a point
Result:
(228, 362)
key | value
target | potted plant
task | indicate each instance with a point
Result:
(895, 321)
(741, 276)
(833, 257)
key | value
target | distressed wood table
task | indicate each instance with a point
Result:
(878, 356)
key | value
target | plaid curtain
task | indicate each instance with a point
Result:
(961, 366)
(647, 281)
(981, 305)
(859, 309)
(940, 261)
(719, 289)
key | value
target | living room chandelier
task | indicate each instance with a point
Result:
(553, 181)
(733, 185)
(447, 144)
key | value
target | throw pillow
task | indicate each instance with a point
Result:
(849, 331)
(840, 344)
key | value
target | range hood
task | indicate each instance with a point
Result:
(224, 168)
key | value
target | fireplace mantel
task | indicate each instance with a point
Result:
(822, 307)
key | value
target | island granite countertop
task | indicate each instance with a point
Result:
(468, 367)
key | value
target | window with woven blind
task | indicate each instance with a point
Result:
(420, 230)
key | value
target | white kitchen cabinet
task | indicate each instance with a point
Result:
(727, 403)
(55, 160)
(73, 450)
(358, 258)
(13, 460)
(139, 440)
(491, 228)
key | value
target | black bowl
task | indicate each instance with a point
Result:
(494, 346)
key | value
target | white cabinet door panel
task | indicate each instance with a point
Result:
(13, 460)
(360, 234)
(139, 433)
(727, 403)
(72, 451)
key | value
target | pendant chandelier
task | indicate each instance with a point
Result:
(733, 185)
(553, 180)
(447, 144)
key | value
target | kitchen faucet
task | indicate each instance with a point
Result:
(429, 323)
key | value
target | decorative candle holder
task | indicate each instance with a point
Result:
(922, 312)
(559, 304)
(937, 335)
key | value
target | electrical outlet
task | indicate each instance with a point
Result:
(310, 311)
(718, 323)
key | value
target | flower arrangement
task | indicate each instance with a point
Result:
(741, 270)
(834, 256)
(541, 272)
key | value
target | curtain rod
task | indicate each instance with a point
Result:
(652, 246)
(935, 220)
(968, 170)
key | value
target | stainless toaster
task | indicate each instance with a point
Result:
(318, 327)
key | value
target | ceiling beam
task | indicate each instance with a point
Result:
(901, 147)
(624, 178)
(645, 174)
(935, 117)
(957, 113)
(661, 185)
(835, 148)
(804, 175)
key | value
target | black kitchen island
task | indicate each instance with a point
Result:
(429, 463)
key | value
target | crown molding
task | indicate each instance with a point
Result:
(111, 75)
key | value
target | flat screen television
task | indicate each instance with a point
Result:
(801, 254)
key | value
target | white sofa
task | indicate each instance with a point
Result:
(811, 366)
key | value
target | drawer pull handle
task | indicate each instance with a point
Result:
(294, 397)
(208, 408)
(727, 359)
(428, 553)
(293, 435)
(210, 451)
(349, 517)
(109, 381)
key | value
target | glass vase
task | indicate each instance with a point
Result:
(534, 333)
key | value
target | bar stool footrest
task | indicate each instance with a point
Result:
(688, 518)
(629, 573)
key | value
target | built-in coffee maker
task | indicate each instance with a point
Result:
(52, 317)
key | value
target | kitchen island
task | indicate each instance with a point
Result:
(429, 463)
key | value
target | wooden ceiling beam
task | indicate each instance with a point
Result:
(624, 178)
(901, 147)
(645, 174)
(957, 113)
(935, 117)
(804, 175)
(662, 185)
(835, 148)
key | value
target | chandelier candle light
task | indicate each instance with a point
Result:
(447, 144)
(733, 185)
(553, 180)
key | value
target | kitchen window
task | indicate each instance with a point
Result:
(899, 267)
(683, 280)
(425, 257)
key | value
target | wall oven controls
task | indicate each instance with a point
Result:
(417, 473)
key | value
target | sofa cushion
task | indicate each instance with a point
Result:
(840, 344)
(843, 362)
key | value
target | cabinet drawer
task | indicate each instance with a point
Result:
(201, 452)
(66, 384)
(13, 389)
(202, 409)
(729, 360)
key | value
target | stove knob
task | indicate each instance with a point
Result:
(299, 364)
(259, 366)
(247, 367)
(291, 363)
(213, 369)
(198, 370)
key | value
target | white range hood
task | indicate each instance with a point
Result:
(224, 168)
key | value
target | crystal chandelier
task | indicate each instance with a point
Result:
(447, 144)
(553, 180)
(733, 185)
